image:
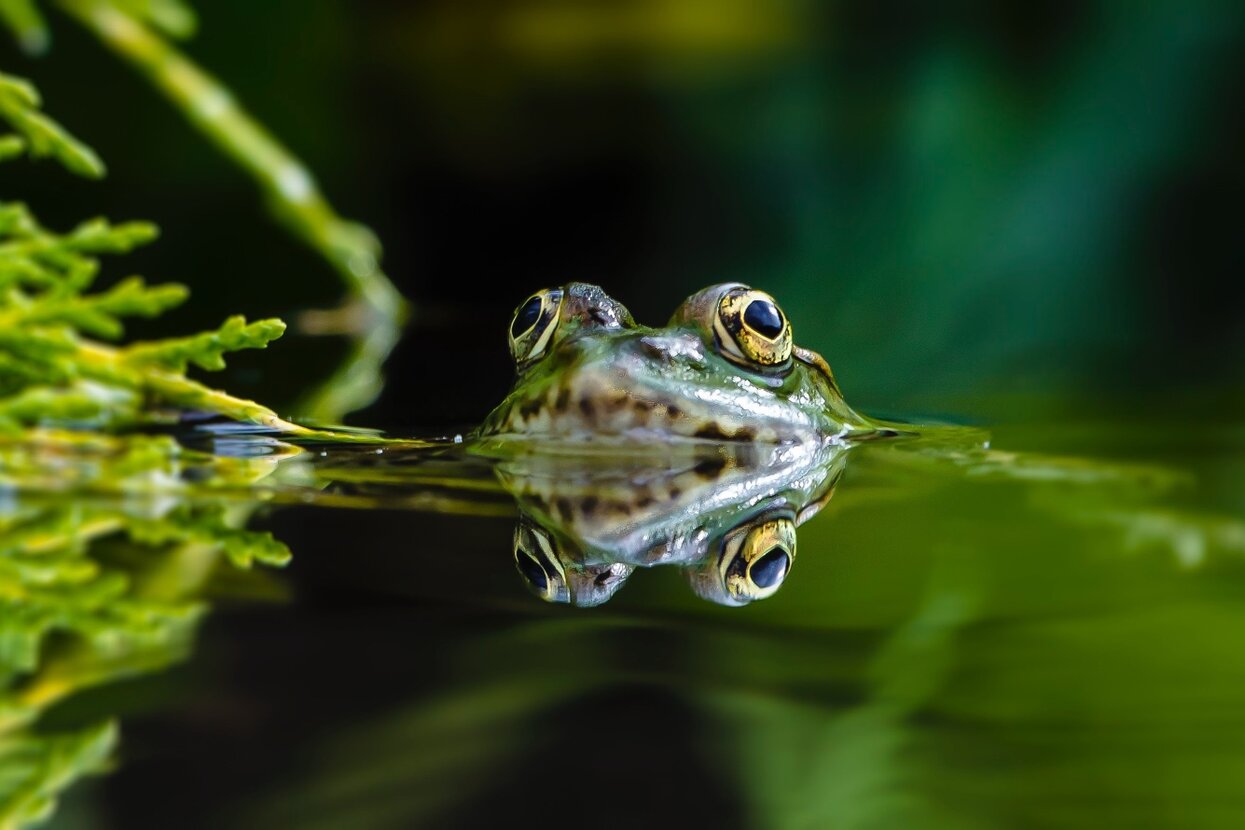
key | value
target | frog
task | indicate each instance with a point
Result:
(702, 443)
(724, 369)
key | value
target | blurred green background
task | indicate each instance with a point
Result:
(986, 211)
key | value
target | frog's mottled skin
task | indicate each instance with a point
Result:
(606, 379)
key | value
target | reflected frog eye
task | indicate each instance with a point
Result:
(756, 560)
(537, 563)
(533, 325)
(752, 330)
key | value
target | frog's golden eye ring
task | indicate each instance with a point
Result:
(756, 560)
(752, 330)
(538, 564)
(533, 325)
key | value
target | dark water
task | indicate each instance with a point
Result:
(1015, 638)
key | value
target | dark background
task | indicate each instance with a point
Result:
(988, 211)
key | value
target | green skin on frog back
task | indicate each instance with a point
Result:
(725, 368)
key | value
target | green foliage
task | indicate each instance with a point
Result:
(90, 594)
(52, 371)
(173, 17)
(134, 30)
(38, 135)
(207, 350)
(34, 769)
(69, 619)
(50, 461)
(210, 526)
(23, 17)
(49, 584)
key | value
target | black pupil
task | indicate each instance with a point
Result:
(532, 571)
(763, 317)
(525, 317)
(767, 571)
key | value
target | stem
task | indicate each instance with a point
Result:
(108, 364)
(182, 392)
(351, 248)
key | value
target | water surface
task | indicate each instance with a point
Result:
(1046, 635)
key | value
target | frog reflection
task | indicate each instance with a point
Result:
(726, 516)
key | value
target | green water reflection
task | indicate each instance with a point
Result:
(968, 639)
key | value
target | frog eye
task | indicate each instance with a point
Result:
(549, 576)
(533, 325)
(538, 564)
(752, 330)
(756, 560)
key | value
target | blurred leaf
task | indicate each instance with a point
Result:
(34, 770)
(23, 17)
(173, 17)
(19, 106)
(206, 350)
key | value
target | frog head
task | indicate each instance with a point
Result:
(724, 369)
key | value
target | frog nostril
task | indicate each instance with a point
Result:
(654, 348)
(684, 350)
